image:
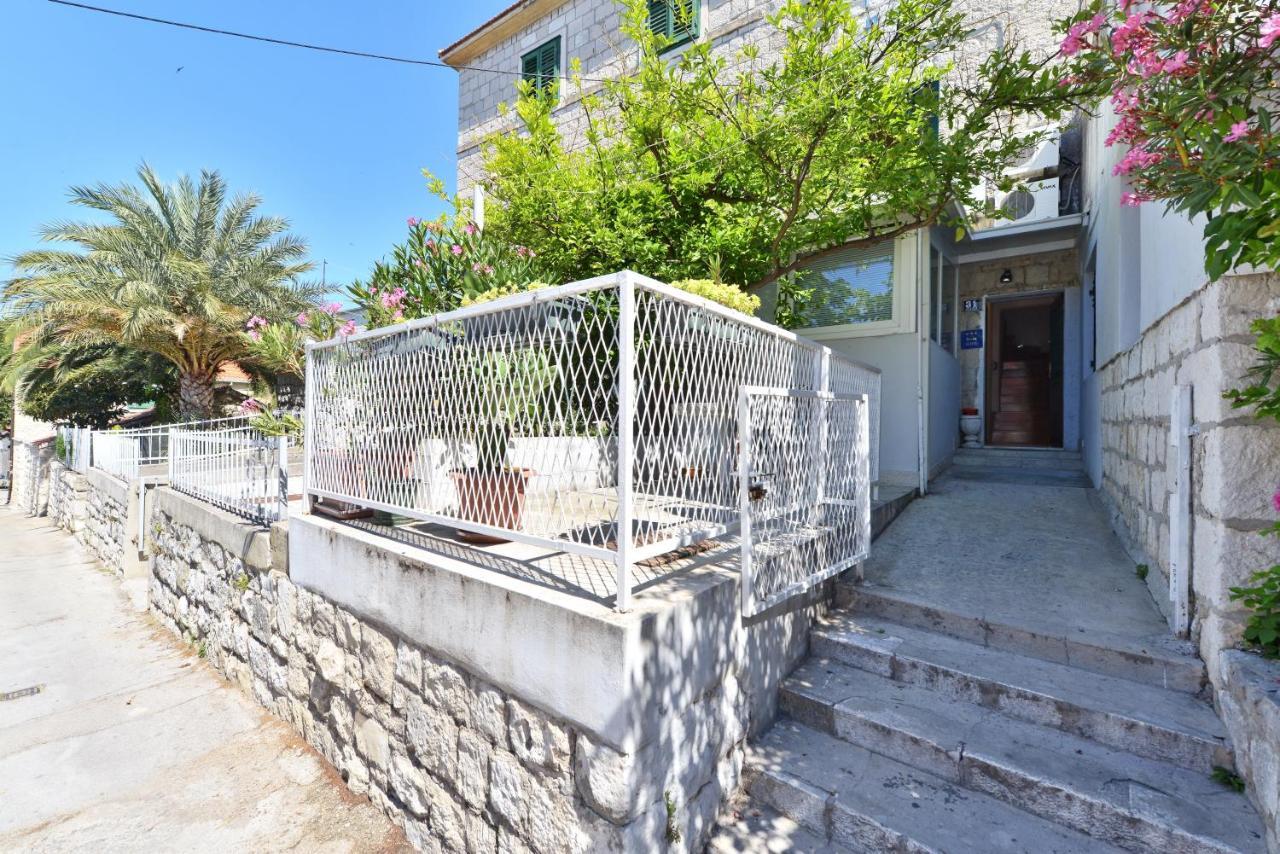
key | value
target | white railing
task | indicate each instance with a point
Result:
(129, 454)
(598, 418)
(76, 447)
(236, 468)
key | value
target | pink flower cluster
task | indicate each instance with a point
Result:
(393, 298)
(249, 406)
(331, 308)
(253, 327)
(347, 328)
(1137, 157)
(484, 269)
(303, 319)
(1238, 131)
(524, 252)
(1076, 34)
(1270, 32)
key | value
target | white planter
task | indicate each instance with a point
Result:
(970, 427)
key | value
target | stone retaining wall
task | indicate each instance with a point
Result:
(1249, 704)
(461, 763)
(1203, 342)
(29, 490)
(68, 497)
(105, 529)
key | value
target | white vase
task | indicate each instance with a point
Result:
(970, 426)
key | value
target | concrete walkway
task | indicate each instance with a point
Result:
(1038, 557)
(132, 743)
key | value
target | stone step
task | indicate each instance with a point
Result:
(1022, 475)
(1161, 660)
(1157, 723)
(862, 801)
(1135, 803)
(1020, 458)
(753, 828)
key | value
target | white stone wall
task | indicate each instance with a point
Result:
(68, 497)
(29, 489)
(1250, 708)
(1203, 342)
(105, 527)
(461, 763)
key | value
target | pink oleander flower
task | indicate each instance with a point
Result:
(1130, 200)
(347, 328)
(431, 245)
(302, 319)
(1270, 31)
(391, 299)
(1075, 39)
(249, 406)
(254, 335)
(413, 220)
(332, 308)
(1187, 8)
(1178, 62)
(397, 317)
(522, 251)
(455, 249)
(1137, 157)
(255, 322)
(1132, 32)
(1239, 131)
(470, 228)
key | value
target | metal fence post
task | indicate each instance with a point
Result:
(283, 477)
(308, 425)
(626, 428)
(1180, 431)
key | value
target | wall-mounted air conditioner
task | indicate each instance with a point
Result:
(1034, 201)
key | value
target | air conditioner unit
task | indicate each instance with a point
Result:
(1039, 163)
(1034, 201)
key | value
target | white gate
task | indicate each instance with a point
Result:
(804, 490)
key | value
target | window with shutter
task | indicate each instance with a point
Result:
(541, 66)
(853, 286)
(675, 19)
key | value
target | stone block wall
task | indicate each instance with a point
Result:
(30, 487)
(68, 497)
(1249, 704)
(1204, 342)
(590, 31)
(459, 762)
(106, 513)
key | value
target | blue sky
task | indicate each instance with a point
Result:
(333, 143)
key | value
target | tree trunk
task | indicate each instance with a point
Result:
(195, 396)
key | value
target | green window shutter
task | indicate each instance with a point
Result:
(678, 20)
(541, 66)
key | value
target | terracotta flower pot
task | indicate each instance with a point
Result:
(493, 498)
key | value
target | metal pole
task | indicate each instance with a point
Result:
(283, 469)
(626, 428)
(1180, 509)
(745, 578)
(308, 425)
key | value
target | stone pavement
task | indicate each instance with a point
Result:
(132, 743)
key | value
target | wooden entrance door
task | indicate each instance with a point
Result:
(1024, 371)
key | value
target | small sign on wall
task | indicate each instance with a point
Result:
(970, 339)
(973, 305)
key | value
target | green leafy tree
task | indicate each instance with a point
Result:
(175, 270)
(1193, 86)
(91, 386)
(855, 128)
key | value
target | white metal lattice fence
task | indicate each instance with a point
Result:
(128, 454)
(235, 468)
(76, 446)
(598, 418)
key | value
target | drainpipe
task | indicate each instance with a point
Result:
(923, 261)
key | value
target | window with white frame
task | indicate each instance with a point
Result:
(851, 287)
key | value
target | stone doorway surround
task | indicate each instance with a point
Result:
(1030, 274)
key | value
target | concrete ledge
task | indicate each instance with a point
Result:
(620, 678)
(114, 488)
(242, 539)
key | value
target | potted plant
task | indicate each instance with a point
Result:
(502, 390)
(970, 426)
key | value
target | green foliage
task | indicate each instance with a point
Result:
(1187, 87)
(1141, 570)
(175, 270)
(791, 311)
(1263, 391)
(673, 829)
(728, 296)
(1227, 777)
(89, 386)
(762, 161)
(241, 582)
(1262, 598)
(441, 263)
(283, 424)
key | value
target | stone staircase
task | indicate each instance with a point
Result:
(914, 729)
(1036, 466)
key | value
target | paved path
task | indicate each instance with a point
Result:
(133, 743)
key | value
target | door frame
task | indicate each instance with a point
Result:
(987, 300)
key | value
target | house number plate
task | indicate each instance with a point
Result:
(973, 305)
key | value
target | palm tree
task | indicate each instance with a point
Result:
(176, 271)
